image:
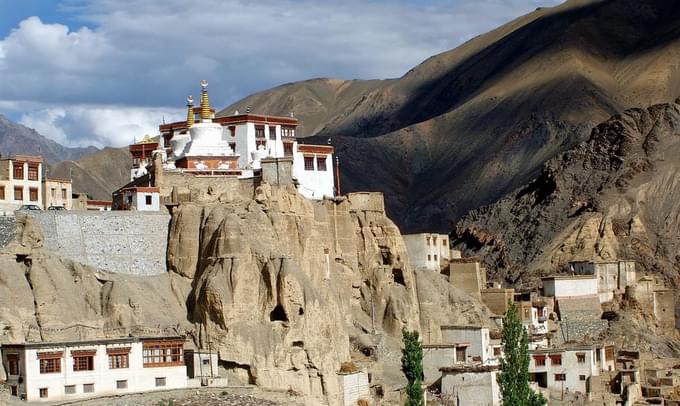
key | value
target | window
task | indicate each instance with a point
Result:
(539, 360)
(13, 364)
(444, 243)
(118, 361)
(232, 145)
(148, 200)
(260, 142)
(53, 193)
(121, 384)
(287, 149)
(429, 257)
(33, 194)
(43, 392)
(63, 194)
(287, 132)
(460, 354)
(232, 130)
(83, 360)
(608, 353)
(2, 193)
(206, 361)
(14, 390)
(50, 364)
(428, 240)
(309, 163)
(32, 172)
(18, 170)
(581, 377)
(163, 353)
(435, 257)
(70, 389)
(496, 351)
(556, 359)
(581, 357)
(88, 387)
(160, 381)
(18, 193)
(259, 131)
(560, 377)
(321, 163)
(272, 132)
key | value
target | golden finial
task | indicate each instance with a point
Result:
(205, 104)
(190, 111)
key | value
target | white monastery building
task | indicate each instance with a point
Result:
(57, 193)
(72, 370)
(427, 250)
(612, 276)
(569, 286)
(234, 145)
(20, 182)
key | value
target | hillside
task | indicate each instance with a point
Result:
(469, 125)
(18, 139)
(616, 196)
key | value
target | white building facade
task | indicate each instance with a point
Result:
(313, 168)
(480, 347)
(472, 385)
(427, 250)
(20, 183)
(569, 286)
(137, 198)
(612, 276)
(57, 193)
(72, 370)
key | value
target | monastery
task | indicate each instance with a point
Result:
(235, 147)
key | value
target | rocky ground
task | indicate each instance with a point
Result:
(249, 396)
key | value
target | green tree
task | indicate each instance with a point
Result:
(412, 366)
(514, 377)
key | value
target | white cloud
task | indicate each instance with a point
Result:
(100, 125)
(154, 52)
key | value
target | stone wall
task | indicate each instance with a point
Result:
(118, 241)
(8, 226)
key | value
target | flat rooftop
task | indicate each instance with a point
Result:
(119, 340)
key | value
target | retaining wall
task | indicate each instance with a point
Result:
(8, 226)
(129, 242)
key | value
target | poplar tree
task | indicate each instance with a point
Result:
(412, 366)
(514, 376)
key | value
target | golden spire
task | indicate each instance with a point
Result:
(190, 111)
(205, 104)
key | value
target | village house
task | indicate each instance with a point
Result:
(471, 385)
(572, 368)
(81, 202)
(481, 347)
(216, 151)
(427, 250)
(137, 198)
(20, 183)
(72, 370)
(57, 193)
(612, 276)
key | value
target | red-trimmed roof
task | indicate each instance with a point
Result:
(315, 149)
(241, 118)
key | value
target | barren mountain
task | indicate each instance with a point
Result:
(18, 139)
(469, 125)
(616, 196)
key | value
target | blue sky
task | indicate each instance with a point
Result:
(101, 72)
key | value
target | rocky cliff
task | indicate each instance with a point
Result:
(283, 288)
(617, 195)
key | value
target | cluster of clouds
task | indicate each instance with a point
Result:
(133, 62)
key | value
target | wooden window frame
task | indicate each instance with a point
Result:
(2, 192)
(582, 378)
(560, 377)
(32, 172)
(163, 353)
(287, 131)
(83, 360)
(64, 193)
(272, 133)
(232, 130)
(321, 163)
(259, 132)
(50, 364)
(556, 359)
(148, 200)
(33, 194)
(18, 170)
(608, 353)
(44, 393)
(309, 163)
(461, 351)
(581, 357)
(19, 193)
(287, 149)
(13, 364)
(539, 360)
(119, 361)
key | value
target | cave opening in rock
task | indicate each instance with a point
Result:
(278, 314)
(298, 344)
(386, 256)
(301, 311)
(398, 276)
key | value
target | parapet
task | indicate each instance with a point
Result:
(367, 201)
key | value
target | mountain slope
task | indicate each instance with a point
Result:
(616, 196)
(17, 139)
(467, 126)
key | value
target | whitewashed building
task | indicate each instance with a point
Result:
(57, 193)
(569, 286)
(235, 145)
(137, 198)
(570, 368)
(472, 385)
(20, 182)
(72, 370)
(480, 348)
(612, 276)
(427, 250)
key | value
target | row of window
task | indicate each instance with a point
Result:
(89, 387)
(320, 163)
(259, 132)
(434, 241)
(53, 193)
(19, 193)
(429, 257)
(19, 172)
(563, 377)
(557, 359)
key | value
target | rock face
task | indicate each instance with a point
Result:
(615, 196)
(279, 283)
